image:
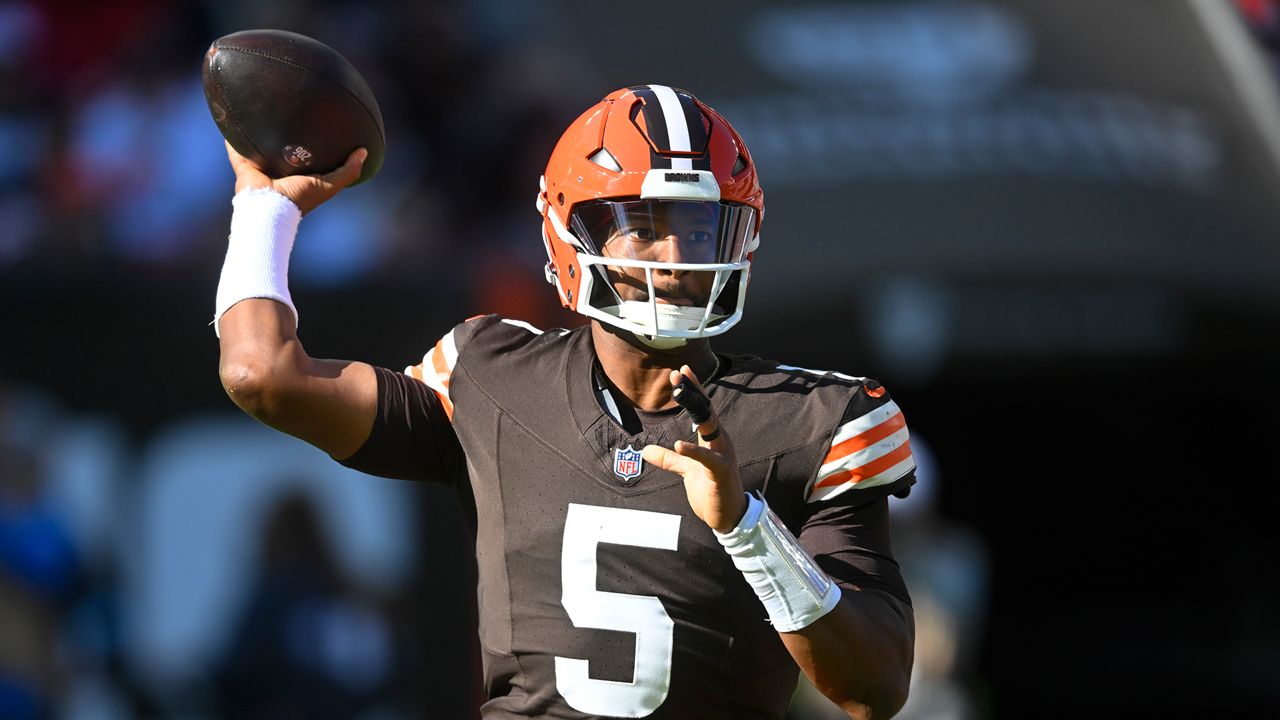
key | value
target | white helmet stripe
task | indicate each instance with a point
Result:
(677, 125)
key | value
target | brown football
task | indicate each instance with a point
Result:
(290, 103)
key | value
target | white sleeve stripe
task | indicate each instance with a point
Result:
(450, 348)
(431, 380)
(426, 370)
(415, 372)
(443, 352)
(884, 478)
(859, 425)
(863, 456)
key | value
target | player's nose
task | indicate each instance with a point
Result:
(671, 250)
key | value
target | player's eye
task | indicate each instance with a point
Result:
(642, 234)
(699, 237)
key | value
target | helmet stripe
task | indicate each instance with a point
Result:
(655, 126)
(675, 126)
(686, 128)
(673, 117)
(699, 139)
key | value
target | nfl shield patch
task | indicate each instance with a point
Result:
(627, 463)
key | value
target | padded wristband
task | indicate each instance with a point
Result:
(794, 590)
(263, 226)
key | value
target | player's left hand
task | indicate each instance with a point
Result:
(709, 468)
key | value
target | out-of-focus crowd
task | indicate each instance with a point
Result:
(114, 168)
(176, 578)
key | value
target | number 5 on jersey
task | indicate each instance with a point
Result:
(586, 526)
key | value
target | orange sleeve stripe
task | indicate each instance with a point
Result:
(437, 362)
(416, 373)
(895, 423)
(875, 467)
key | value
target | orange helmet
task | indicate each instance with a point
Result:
(651, 163)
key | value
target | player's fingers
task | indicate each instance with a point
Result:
(685, 375)
(666, 459)
(710, 432)
(349, 171)
(235, 157)
(247, 174)
(707, 457)
(688, 372)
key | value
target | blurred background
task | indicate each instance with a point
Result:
(1052, 229)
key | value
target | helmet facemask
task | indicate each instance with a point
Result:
(664, 270)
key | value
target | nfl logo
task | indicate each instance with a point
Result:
(627, 463)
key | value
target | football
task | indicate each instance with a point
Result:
(291, 104)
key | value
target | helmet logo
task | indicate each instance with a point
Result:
(681, 177)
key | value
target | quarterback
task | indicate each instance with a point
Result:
(662, 531)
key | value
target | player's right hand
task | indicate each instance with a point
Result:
(306, 191)
(709, 468)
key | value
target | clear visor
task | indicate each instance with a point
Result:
(667, 231)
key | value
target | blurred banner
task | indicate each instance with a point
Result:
(975, 178)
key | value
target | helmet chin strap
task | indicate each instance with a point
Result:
(661, 343)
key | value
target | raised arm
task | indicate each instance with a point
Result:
(264, 368)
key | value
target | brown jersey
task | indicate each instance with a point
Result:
(601, 594)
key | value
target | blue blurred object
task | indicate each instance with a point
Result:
(36, 547)
(17, 701)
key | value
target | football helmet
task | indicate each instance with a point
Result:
(651, 182)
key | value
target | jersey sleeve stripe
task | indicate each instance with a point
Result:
(889, 475)
(436, 369)
(449, 346)
(873, 451)
(432, 381)
(866, 471)
(440, 364)
(863, 423)
(892, 425)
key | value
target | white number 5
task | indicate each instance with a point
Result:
(585, 528)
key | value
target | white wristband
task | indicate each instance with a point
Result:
(794, 590)
(263, 226)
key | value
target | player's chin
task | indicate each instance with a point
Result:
(674, 355)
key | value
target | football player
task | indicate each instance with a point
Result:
(662, 531)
